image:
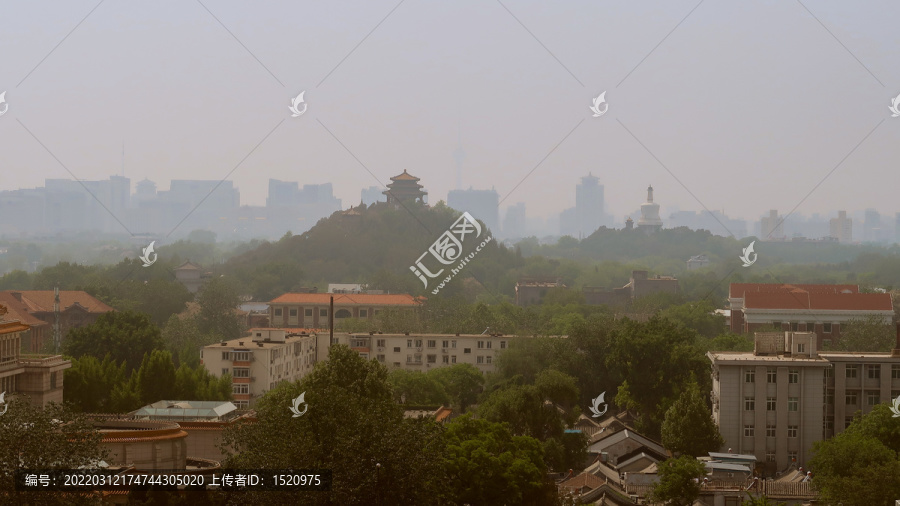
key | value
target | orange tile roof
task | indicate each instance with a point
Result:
(10, 327)
(42, 300)
(18, 311)
(738, 290)
(348, 299)
(821, 301)
(405, 177)
(583, 480)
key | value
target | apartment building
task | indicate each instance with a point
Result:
(422, 352)
(311, 310)
(777, 401)
(260, 361)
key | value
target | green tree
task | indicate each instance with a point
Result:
(865, 334)
(524, 410)
(90, 383)
(487, 465)
(156, 377)
(196, 383)
(219, 299)
(53, 437)
(183, 338)
(415, 387)
(352, 424)
(678, 481)
(860, 466)
(688, 427)
(123, 335)
(462, 382)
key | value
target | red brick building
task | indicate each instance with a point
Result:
(804, 308)
(35, 308)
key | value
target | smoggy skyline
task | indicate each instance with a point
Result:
(741, 108)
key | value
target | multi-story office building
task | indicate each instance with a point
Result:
(841, 228)
(260, 361)
(483, 205)
(777, 401)
(310, 310)
(772, 226)
(421, 352)
(515, 225)
(589, 204)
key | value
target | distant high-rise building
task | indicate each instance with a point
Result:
(872, 230)
(481, 204)
(650, 220)
(841, 228)
(589, 213)
(371, 195)
(771, 226)
(568, 222)
(514, 223)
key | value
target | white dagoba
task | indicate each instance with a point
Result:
(650, 221)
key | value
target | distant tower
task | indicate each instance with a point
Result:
(629, 224)
(650, 221)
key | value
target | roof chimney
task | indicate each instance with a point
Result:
(896, 351)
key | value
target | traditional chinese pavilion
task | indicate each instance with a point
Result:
(405, 187)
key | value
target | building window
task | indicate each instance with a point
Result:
(418, 358)
(292, 313)
(363, 313)
(770, 404)
(307, 312)
(467, 350)
(479, 359)
(446, 359)
(872, 397)
(224, 371)
(801, 347)
(771, 375)
(277, 311)
(241, 356)
(829, 424)
(748, 430)
(770, 431)
(453, 359)
(53, 379)
(895, 371)
(874, 371)
(409, 343)
(793, 456)
(409, 359)
(770, 456)
(381, 358)
(240, 388)
(418, 343)
(480, 344)
(851, 398)
(488, 359)
(795, 327)
(432, 343)
(502, 345)
(396, 349)
(826, 328)
(794, 376)
(488, 345)
(793, 404)
(749, 404)
(432, 359)
(792, 431)
(445, 344)
(225, 355)
(852, 371)
(379, 342)
(777, 325)
(829, 398)
(749, 376)
(241, 372)
(453, 343)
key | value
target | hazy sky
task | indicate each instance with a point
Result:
(748, 104)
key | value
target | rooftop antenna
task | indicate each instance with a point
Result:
(485, 331)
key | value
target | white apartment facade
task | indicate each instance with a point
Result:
(777, 401)
(422, 352)
(260, 361)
